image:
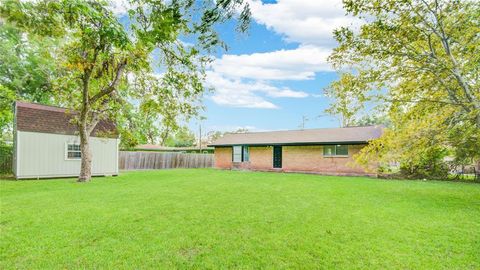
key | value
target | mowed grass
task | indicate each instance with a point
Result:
(203, 218)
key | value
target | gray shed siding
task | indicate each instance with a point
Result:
(43, 155)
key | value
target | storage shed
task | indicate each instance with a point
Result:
(46, 143)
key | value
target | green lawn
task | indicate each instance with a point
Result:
(220, 219)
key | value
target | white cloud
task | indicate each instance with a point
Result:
(296, 64)
(237, 93)
(304, 21)
(246, 80)
(229, 74)
(307, 22)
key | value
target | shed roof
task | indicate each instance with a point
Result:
(34, 117)
(350, 135)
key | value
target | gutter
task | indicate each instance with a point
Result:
(289, 144)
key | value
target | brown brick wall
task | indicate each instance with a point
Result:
(294, 159)
(223, 157)
(311, 159)
(261, 157)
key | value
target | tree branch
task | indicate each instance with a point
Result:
(113, 85)
(395, 100)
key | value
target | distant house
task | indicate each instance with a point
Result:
(46, 143)
(326, 151)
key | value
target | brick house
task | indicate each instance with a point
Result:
(324, 151)
(46, 143)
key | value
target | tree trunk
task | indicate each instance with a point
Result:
(86, 127)
(164, 136)
(477, 171)
(478, 119)
(86, 166)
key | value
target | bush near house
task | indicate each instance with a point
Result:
(6, 158)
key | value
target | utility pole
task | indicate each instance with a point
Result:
(200, 132)
(304, 120)
(200, 138)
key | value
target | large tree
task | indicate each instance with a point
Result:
(26, 71)
(105, 64)
(420, 60)
(183, 137)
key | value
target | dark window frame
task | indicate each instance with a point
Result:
(73, 151)
(334, 154)
(244, 153)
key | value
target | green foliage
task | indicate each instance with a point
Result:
(347, 103)
(7, 97)
(26, 71)
(373, 119)
(214, 219)
(212, 136)
(6, 158)
(106, 67)
(241, 130)
(419, 62)
(183, 137)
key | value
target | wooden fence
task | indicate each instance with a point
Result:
(161, 160)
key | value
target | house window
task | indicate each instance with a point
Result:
(341, 150)
(73, 151)
(335, 150)
(240, 153)
(237, 153)
(246, 153)
(329, 150)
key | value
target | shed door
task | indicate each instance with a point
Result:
(277, 157)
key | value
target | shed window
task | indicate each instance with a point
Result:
(240, 153)
(73, 151)
(335, 150)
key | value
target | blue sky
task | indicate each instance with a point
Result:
(275, 74)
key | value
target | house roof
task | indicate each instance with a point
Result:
(350, 135)
(34, 117)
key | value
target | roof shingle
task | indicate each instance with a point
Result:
(353, 135)
(34, 117)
